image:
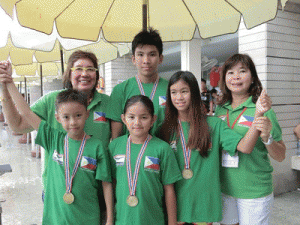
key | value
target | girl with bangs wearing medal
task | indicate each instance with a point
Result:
(247, 185)
(145, 169)
(197, 141)
(78, 161)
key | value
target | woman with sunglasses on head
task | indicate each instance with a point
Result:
(82, 75)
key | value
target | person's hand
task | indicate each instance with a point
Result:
(264, 125)
(5, 72)
(263, 104)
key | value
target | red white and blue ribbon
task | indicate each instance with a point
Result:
(186, 151)
(142, 88)
(132, 181)
(69, 180)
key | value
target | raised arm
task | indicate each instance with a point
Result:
(248, 142)
(32, 119)
(15, 121)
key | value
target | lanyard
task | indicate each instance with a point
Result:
(142, 89)
(132, 181)
(69, 180)
(186, 151)
(228, 123)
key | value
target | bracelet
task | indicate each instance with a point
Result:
(270, 140)
(5, 99)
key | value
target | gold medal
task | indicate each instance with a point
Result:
(132, 200)
(68, 198)
(187, 174)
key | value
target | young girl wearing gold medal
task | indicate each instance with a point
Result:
(198, 141)
(145, 169)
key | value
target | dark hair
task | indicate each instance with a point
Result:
(72, 59)
(213, 91)
(147, 37)
(254, 89)
(70, 95)
(199, 132)
(142, 99)
(202, 80)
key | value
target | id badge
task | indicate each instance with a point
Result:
(230, 161)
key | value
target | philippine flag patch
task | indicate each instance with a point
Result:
(246, 121)
(162, 101)
(99, 117)
(152, 163)
(120, 160)
(88, 163)
(59, 158)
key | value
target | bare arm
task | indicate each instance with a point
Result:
(116, 129)
(248, 142)
(297, 131)
(277, 148)
(15, 121)
(170, 199)
(109, 201)
(32, 119)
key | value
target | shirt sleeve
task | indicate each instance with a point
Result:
(112, 160)
(46, 136)
(276, 129)
(103, 171)
(40, 107)
(115, 105)
(229, 139)
(169, 167)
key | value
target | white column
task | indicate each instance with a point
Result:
(191, 57)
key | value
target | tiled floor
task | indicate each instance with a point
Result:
(21, 189)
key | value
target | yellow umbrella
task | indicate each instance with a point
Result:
(120, 20)
(18, 56)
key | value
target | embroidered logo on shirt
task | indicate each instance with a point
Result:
(222, 117)
(88, 163)
(99, 117)
(120, 160)
(173, 145)
(59, 158)
(162, 101)
(152, 163)
(245, 121)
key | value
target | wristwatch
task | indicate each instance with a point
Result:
(270, 140)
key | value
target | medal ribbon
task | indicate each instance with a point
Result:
(186, 151)
(228, 123)
(67, 169)
(132, 182)
(142, 89)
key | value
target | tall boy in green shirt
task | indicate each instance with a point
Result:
(72, 194)
(147, 51)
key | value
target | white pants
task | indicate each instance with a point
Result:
(246, 211)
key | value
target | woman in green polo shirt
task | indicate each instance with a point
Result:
(81, 74)
(247, 183)
(197, 141)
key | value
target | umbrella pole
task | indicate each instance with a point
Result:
(145, 16)
(41, 70)
(61, 60)
(25, 81)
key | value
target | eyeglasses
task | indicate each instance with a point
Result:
(87, 69)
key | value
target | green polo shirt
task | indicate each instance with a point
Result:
(97, 125)
(158, 168)
(253, 177)
(122, 92)
(94, 166)
(199, 198)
